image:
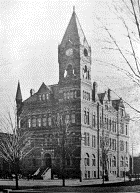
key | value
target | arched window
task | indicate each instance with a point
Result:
(93, 160)
(122, 161)
(114, 161)
(87, 160)
(69, 70)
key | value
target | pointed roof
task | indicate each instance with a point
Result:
(18, 94)
(44, 88)
(117, 103)
(74, 32)
(101, 96)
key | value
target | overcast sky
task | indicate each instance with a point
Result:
(30, 32)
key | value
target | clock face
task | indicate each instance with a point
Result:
(69, 52)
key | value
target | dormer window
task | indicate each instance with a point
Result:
(39, 97)
(43, 97)
(47, 96)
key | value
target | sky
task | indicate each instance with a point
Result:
(30, 32)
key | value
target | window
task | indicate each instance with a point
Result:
(110, 125)
(39, 97)
(88, 116)
(67, 118)
(85, 117)
(115, 127)
(114, 144)
(68, 95)
(126, 129)
(65, 96)
(93, 141)
(73, 118)
(100, 121)
(126, 161)
(85, 140)
(34, 122)
(44, 120)
(122, 112)
(114, 161)
(107, 123)
(29, 122)
(39, 122)
(88, 139)
(88, 174)
(71, 94)
(49, 121)
(121, 128)
(93, 160)
(43, 97)
(75, 94)
(110, 162)
(87, 160)
(106, 106)
(100, 142)
(126, 147)
(47, 96)
(94, 174)
(94, 120)
(110, 145)
(121, 145)
(122, 161)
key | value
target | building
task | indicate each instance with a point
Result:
(73, 125)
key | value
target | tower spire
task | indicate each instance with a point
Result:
(74, 9)
(18, 94)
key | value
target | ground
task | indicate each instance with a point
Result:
(71, 186)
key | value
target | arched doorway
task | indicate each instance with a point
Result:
(47, 160)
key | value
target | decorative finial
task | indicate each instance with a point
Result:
(73, 8)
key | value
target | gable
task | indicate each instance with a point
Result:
(43, 89)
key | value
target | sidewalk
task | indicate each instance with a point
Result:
(58, 182)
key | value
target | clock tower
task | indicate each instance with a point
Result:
(74, 55)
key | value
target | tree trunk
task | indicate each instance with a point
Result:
(16, 178)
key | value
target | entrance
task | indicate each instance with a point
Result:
(48, 161)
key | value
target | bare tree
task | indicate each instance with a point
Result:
(127, 13)
(14, 142)
(104, 144)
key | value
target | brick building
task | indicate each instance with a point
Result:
(71, 120)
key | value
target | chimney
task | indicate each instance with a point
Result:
(94, 91)
(109, 94)
(32, 92)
